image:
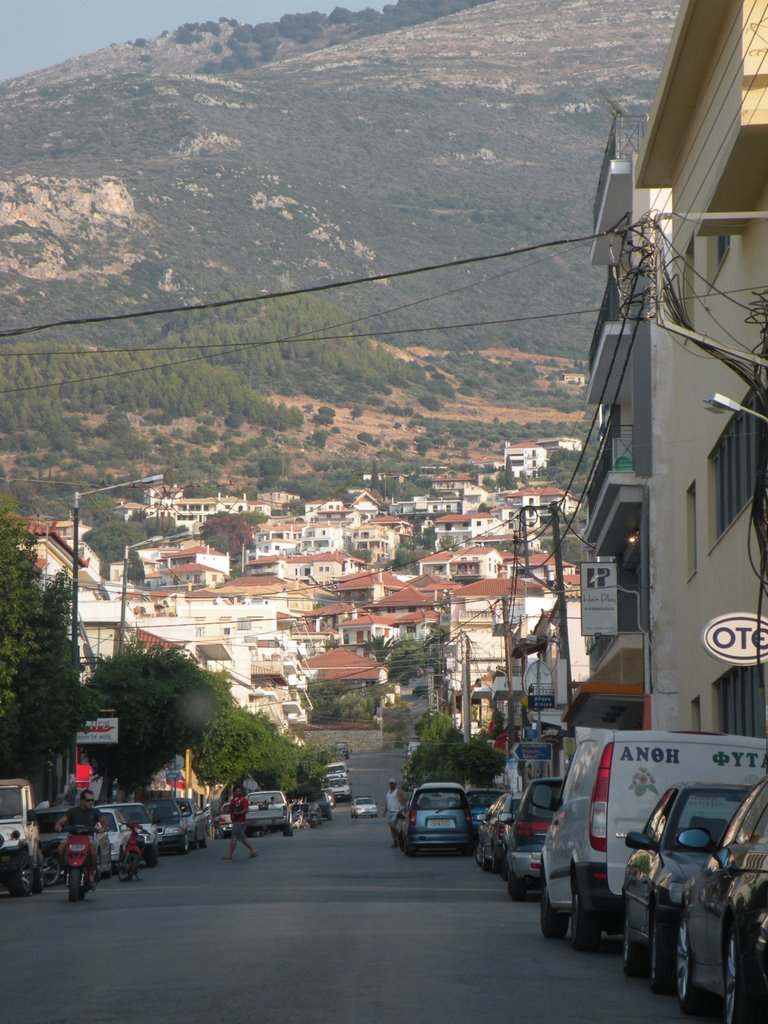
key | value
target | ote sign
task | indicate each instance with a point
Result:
(599, 599)
(737, 639)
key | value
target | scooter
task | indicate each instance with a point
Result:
(130, 858)
(79, 876)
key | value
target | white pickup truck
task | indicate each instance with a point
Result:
(268, 811)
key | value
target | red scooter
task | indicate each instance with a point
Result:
(80, 876)
(133, 851)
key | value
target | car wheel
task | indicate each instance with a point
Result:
(585, 924)
(662, 972)
(515, 887)
(503, 866)
(20, 883)
(494, 861)
(738, 1006)
(634, 957)
(203, 841)
(478, 854)
(553, 925)
(193, 842)
(104, 868)
(409, 849)
(151, 857)
(692, 1000)
(184, 844)
(51, 869)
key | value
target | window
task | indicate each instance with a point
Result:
(735, 467)
(723, 245)
(690, 514)
(741, 701)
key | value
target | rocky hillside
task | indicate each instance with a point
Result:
(137, 178)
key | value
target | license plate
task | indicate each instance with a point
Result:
(441, 823)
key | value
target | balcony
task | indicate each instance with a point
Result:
(615, 495)
(608, 350)
(614, 189)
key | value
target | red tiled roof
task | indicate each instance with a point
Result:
(365, 580)
(497, 587)
(340, 664)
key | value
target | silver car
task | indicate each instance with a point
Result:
(196, 821)
(363, 807)
(118, 833)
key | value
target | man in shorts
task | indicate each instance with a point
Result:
(394, 802)
(238, 808)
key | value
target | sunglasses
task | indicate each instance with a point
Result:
(87, 799)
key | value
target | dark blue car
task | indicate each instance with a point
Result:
(480, 800)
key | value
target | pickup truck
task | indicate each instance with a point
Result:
(268, 811)
(21, 861)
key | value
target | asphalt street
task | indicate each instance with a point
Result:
(330, 925)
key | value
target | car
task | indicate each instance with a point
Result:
(51, 840)
(138, 812)
(524, 838)
(172, 831)
(363, 807)
(614, 781)
(336, 770)
(480, 800)
(437, 817)
(118, 833)
(340, 787)
(721, 939)
(489, 847)
(21, 861)
(411, 747)
(326, 806)
(196, 821)
(222, 823)
(658, 868)
(342, 750)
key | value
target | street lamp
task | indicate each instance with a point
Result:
(124, 595)
(156, 479)
(721, 403)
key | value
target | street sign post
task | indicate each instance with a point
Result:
(538, 686)
(531, 752)
(99, 731)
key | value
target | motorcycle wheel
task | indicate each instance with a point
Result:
(73, 884)
(128, 867)
(51, 869)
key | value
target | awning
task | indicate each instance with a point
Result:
(607, 706)
(214, 652)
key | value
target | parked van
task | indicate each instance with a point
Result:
(613, 783)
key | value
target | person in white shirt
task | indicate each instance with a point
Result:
(394, 802)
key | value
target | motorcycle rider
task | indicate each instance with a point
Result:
(84, 816)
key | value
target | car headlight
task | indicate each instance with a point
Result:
(675, 892)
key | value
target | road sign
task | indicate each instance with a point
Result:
(538, 686)
(599, 599)
(531, 752)
(174, 775)
(99, 731)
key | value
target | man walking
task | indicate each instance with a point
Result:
(238, 808)
(394, 802)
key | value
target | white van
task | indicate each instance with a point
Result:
(613, 783)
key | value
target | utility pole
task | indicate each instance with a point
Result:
(506, 605)
(565, 649)
(466, 700)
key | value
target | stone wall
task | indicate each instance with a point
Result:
(359, 738)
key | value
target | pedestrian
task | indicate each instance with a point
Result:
(238, 808)
(394, 802)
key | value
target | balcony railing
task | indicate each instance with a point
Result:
(624, 139)
(610, 313)
(616, 457)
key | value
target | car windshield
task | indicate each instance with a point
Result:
(363, 800)
(710, 809)
(164, 810)
(134, 812)
(482, 797)
(110, 818)
(439, 800)
(10, 802)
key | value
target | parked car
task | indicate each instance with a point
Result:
(50, 841)
(195, 820)
(223, 823)
(342, 749)
(363, 807)
(171, 830)
(658, 869)
(437, 817)
(489, 848)
(721, 940)
(138, 812)
(524, 838)
(118, 834)
(336, 768)
(325, 805)
(480, 800)
(614, 780)
(21, 862)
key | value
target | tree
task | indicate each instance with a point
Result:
(443, 754)
(20, 599)
(163, 702)
(228, 531)
(49, 703)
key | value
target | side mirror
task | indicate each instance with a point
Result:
(639, 841)
(694, 839)
(545, 798)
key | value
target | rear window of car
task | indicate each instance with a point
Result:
(539, 794)
(134, 812)
(710, 809)
(164, 810)
(440, 800)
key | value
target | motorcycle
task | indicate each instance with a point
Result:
(80, 877)
(130, 857)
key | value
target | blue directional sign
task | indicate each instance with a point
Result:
(531, 752)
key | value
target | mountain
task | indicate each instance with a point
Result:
(158, 174)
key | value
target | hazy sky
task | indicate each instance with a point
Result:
(39, 33)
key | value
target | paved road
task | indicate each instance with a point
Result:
(331, 925)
